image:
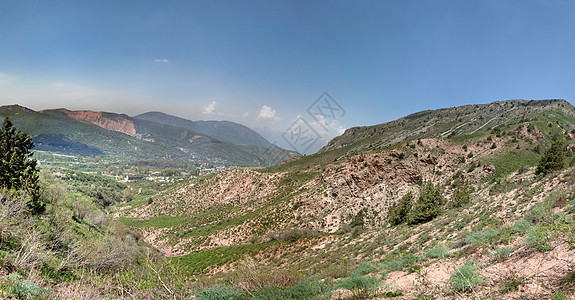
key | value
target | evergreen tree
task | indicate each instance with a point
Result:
(428, 205)
(18, 170)
(399, 211)
(552, 160)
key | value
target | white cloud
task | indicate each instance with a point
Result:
(161, 60)
(267, 113)
(210, 109)
(332, 128)
(246, 114)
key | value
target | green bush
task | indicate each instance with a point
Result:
(559, 295)
(367, 268)
(24, 289)
(466, 278)
(538, 238)
(501, 253)
(521, 226)
(310, 288)
(428, 205)
(361, 286)
(438, 251)
(269, 293)
(552, 160)
(398, 212)
(223, 292)
(481, 237)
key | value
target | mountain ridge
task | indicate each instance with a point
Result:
(223, 130)
(90, 132)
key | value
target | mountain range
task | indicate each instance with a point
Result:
(469, 173)
(153, 134)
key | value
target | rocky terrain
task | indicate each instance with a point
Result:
(513, 232)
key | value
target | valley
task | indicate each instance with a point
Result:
(455, 203)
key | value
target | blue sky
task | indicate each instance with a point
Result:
(263, 63)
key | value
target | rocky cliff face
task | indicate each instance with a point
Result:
(119, 123)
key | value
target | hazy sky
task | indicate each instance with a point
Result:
(263, 63)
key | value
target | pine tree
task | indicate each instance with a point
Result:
(18, 170)
(552, 160)
(428, 205)
(398, 212)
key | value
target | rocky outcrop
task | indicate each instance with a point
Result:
(117, 123)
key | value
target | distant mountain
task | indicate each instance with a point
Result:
(222, 130)
(100, 133)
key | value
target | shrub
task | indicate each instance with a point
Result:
(269, 293)
(310, 288)
(466, 278)
(367, 268)
(24, 289)
(481, 237)
(552, 160)
(360, 286)
(538, 238)
(428, 205)
(220, 293)
(559, 295)
(398, 212)
(358, 219)
(501, 253)
(520, 226)
(438, 251)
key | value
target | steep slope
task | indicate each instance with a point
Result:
(88, 132)
(442, 123)
(222, 130)
(332, 207)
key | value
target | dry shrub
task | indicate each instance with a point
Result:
(252, 275)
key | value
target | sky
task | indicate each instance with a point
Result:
(269, 64)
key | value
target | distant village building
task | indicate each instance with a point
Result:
(134, 177)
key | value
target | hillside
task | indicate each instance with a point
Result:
(102, 133)
(222, 130)
(328, 214)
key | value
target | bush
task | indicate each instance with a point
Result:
(552, 160)
(24, 289)
(220, 293)
(538, 238)
(360, 286)
(428, 205)
(438, 251)
(501, 253)
(466, 278)
(310, 288)
(398, 212)
(559, 295)
(481, 237)
(520, 226)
